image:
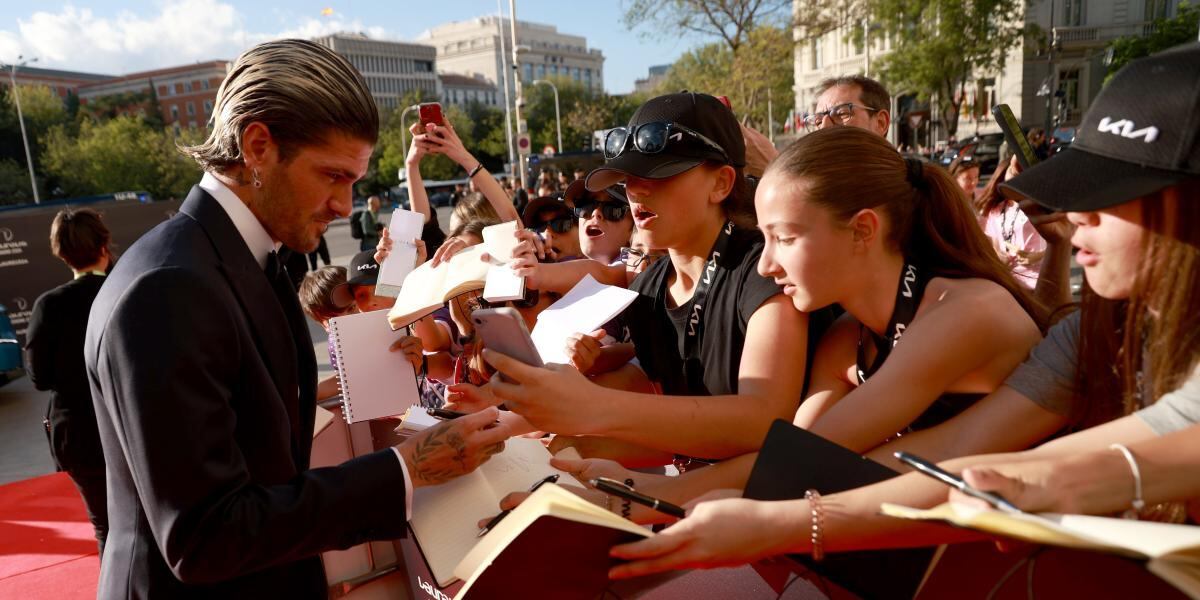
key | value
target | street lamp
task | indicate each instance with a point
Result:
(12, 77)
(404, 131)
(557, 120)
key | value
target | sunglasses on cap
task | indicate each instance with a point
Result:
(558, 225)
(652, 138)
(610, 211)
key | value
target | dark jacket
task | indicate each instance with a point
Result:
(54, 351)
(205, 404)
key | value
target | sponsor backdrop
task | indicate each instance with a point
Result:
(27, 269)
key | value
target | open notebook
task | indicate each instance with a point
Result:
(404, 227)
(584, 309)
(554, 545)
(1171, 551)
(375, 381)
(445, 518)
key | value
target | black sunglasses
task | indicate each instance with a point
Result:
(652, 138)
(559, 225)
(610, 211)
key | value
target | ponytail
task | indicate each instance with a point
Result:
(930, 222)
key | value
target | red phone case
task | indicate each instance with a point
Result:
(431, 112)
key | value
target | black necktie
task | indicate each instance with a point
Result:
(306, 368)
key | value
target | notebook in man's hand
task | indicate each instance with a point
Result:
(793, 461)
(375, 381)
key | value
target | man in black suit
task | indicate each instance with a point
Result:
(203, 372)
(54, 352)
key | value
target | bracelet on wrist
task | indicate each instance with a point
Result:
(818, 524)
(475, 171)
(1138, 504)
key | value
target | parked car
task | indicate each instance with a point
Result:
(983, 149)
(11, 366)
(1062, 139)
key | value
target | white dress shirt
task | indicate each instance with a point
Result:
(260, 244)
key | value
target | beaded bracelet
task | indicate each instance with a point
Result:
(818, 523)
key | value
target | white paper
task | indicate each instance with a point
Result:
(502, 284)
(584, 309)
(404, 227)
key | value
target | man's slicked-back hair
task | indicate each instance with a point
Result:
(874, 95)
(300, 90)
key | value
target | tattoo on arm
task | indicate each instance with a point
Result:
(425, 455)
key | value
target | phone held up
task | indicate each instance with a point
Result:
(430, 112)
(503, 330)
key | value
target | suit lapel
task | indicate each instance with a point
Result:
(267, 318)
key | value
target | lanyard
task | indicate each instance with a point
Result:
(908, 298)
(694, 329)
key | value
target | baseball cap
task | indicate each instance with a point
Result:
(363, 269)
(578, 190)
(701, 113)
(557, 203)
(1140, 135)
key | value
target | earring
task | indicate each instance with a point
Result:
(254, 177)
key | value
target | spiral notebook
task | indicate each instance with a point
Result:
(375, 381)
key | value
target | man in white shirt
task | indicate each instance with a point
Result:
(202, 369)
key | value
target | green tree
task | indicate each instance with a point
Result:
(14, 183)
(41, 109)
(539, 112)
(762, 66)
(940, 45)
(120, 154)
(1167, 33)
(730, 20)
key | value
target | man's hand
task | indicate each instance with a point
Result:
(584, 348)
(453, 448)
(412, 349)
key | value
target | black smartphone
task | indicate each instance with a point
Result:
(1014, 135)
(931, 470)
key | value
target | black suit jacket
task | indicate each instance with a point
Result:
(54, 353)
(205, 406)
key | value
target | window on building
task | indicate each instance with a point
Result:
(191, 109)
(179, 88)
(187, 87)
(1075, 11)
(164, 91)
(204, 84)
(1068, 82)
(424, 66)
(1156, 9)
(528, 70)
(815, 61)
(575, 74)
(541, 71)
(174, 112)
(207, 107)
(587, 75)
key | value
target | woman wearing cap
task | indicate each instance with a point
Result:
(720, 340)
(1135, 204)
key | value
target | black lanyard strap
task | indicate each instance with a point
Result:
(908, 298)
(694, 328)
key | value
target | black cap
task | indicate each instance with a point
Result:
(578, 190)
(543, 203)
(363, 269)
(701, 113)
(1140, 135)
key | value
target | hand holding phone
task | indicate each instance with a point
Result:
(1016, 139)
(931, 470)
(503, 330)
(430, 112)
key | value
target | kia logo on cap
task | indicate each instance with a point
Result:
(1125, 129)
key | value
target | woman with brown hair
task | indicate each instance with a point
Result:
(1135, 205)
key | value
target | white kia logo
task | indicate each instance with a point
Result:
(1125, 129)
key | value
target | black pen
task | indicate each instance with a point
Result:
(616, 488)
(927, 468)
(500, 517)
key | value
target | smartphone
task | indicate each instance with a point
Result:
(1014, 135)
(503, 330)
(931, 470)
(430, 112)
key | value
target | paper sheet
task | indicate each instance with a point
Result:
(584, 309)
(404, 227)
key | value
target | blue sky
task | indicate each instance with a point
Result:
(117, 37)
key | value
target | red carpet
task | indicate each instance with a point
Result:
(47, 544)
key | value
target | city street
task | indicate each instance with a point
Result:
(24, 451)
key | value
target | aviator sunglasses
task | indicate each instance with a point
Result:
(652, 138)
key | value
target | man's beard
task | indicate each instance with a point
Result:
(274, 204)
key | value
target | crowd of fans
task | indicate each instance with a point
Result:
(875, 299)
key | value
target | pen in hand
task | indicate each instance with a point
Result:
(496, 519)
(621, 490)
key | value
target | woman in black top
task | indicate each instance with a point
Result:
(719, 339)
(54, 347)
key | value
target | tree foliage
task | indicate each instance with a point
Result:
(120, 154)
(1167, 33)
(730, 20)
(764, 62)
(939, 45)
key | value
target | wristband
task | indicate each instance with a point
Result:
(818, 524)
(1138, 503)
(475, 171)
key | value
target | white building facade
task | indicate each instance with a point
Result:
(392, 69)
(475, 48)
